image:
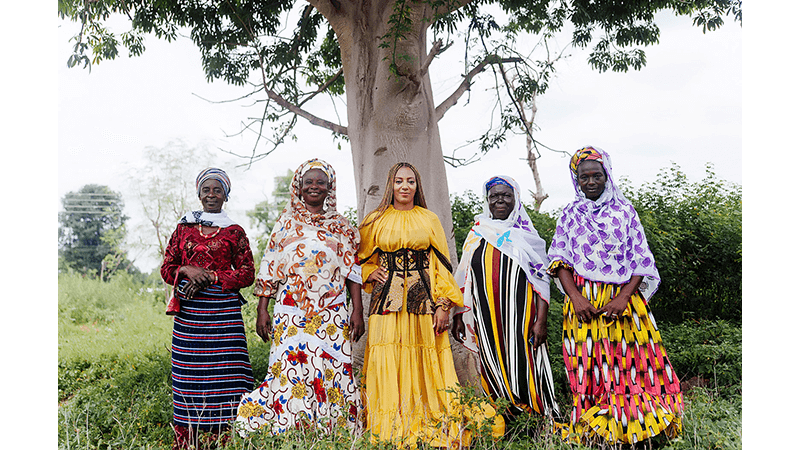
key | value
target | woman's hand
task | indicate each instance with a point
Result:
(458, 329)
(379, 275)
(198, 277)
(263, 320)
(539, 333)
(357, 316)
(356, 326)
(616, 306)
(441, 321)
(619, 304)
(584, 310)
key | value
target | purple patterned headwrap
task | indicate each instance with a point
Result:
(603, 240)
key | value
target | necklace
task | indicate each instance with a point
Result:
(207, 236)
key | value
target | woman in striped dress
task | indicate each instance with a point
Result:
(506, 298)
(623, 387)
(208, 260)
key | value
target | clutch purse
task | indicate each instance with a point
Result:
(174, 303)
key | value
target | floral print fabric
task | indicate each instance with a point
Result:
(305, 265)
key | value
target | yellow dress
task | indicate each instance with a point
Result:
(411, 383)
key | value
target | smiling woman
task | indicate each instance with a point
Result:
(212, 196)
(208, 260)
(410, 375)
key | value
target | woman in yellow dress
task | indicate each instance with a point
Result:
(411, 382)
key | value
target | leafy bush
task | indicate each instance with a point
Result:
(709, 422)
(695, 233)
(710, 350)
(115, 401)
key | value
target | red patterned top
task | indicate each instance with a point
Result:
(226, 251)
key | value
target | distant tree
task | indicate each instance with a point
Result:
(91, 230)
(164, 187)
(464, 209)
(264, 215)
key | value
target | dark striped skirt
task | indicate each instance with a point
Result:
(210, 365)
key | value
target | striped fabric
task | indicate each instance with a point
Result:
(210, 365)
(623, 386)
(505, 311)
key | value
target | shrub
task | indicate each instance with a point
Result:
(695, 233)
(711, 350)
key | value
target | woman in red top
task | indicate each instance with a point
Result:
(208, 260)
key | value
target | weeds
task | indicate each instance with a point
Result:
(114, 380)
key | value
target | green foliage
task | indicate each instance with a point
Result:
(112, 401)
(91, 230)
(265, 213)
(710, 350)
(122, 315)
(464, 209)
(695, 232)
(709, 422)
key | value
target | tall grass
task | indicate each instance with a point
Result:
(114, 378)
(109, 318)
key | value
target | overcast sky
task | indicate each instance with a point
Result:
(685, 107)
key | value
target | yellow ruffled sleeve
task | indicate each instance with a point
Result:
(367, 257)
(444, 284)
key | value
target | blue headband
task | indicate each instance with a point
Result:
(495, 181)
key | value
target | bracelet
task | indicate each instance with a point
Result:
(444, 303)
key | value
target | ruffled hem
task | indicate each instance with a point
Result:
(607, 423)
(411, 386)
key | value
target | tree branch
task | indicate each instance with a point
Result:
(435, 50)
(450, 101)
(314, 120)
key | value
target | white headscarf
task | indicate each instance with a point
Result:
(219, 219)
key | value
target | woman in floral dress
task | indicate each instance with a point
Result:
(308, 264)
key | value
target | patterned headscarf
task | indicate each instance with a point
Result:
(584, 154)
(297, 225)
(603, 240)
(212, 173)
(219, 219)
(515, 237)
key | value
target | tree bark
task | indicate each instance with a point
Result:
(391, 118)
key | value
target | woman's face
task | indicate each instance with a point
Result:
(591, 179)
(212, 196)
(405, 186)
(501, 201)
(314, 189)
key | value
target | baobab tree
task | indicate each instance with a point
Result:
(377, 54)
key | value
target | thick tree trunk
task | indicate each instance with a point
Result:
(391, 118)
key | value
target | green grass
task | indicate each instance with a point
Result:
(114, 378)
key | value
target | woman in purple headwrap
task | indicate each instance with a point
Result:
(623, 387)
